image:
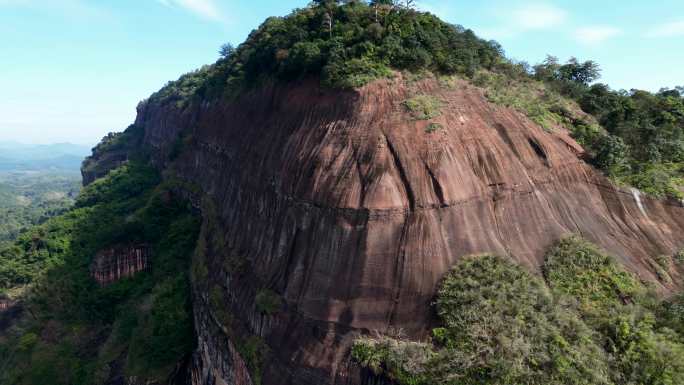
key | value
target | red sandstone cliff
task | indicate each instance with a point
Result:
(342, 204)
(119, 262)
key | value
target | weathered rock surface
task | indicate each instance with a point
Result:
(123, 261)
(5, 303)
(10, 311)
(114, 150)
(99, 164)
(342, 204)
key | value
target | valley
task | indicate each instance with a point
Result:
(28, 198)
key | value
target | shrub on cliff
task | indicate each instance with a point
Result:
(504, 327)
(621, 310)
(500, 325)
(578, 269)
(589, 323)
(423, 107)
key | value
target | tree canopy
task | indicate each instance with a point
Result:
(345, 44)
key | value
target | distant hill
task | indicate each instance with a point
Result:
(40, 157)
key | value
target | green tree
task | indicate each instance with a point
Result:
(611, 154)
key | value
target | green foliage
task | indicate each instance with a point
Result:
(268, 302)
(527, 338)
(253, 350)
(643, 143)
(124, 183)
(432, 127)
(671, 314)
(572, 72)
(423, 107)
(619, 307)
(510, 86)
(145, 319)
(346, 45)
(658, 180)
(610, 153)
(640, 140)
(590, 323)
(679, 257)
(114, 149)
(165, 334)
(119, 141)
(662, 266)
(30, 198)
(401, 360)
(577, 269)
(27, 341)
(219, 307)
(635, 137)
(641, 354)
(355, 73)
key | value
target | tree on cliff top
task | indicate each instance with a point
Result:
(347, 44)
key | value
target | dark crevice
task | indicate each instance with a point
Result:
(399, 273)
(290, 264)
(362, 195)
(538, 150)
(402, 174)
(436, 187)
(503, 133)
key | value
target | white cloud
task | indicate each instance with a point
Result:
(497, 33)
(671, 29)
(508, 22)
(203, 8)
(538, 16)
(595, 35)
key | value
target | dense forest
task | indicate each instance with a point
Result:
(36, 182)
(30, 198)
(144, 322)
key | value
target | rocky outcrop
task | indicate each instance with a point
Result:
(114, 150)
(10, 311)
(115, 263)
(215, 360)
(346, 207)
(5, 304)
(100, 163)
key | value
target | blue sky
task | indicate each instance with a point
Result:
(73, 70)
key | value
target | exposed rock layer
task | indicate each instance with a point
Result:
(5, 304)
(10, 311)
(115, 263)
(346, 207)
(100, 163)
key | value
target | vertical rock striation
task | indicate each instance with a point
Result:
(346, 208)
(115, 263)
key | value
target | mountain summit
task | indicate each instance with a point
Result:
(384, 198)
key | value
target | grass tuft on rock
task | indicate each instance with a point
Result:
(423, 107)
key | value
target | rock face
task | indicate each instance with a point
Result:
(5, 304)
(119, 262)
(114, 150)
(99, 164)
(351, 212)
(10, 312)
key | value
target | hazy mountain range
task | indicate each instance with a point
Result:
(38, 157)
